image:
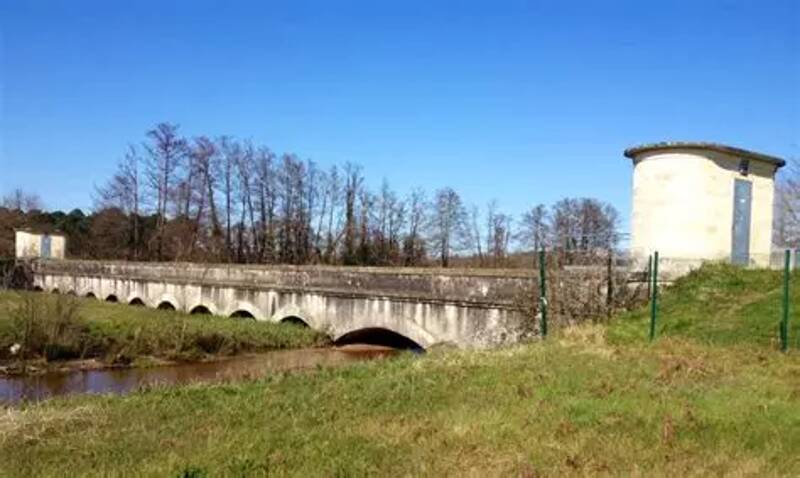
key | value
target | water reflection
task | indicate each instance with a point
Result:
(120, 381)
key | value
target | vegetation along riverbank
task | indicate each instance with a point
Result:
(44, 331)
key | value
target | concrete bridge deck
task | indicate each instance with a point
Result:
(466, 308)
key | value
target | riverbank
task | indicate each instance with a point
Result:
(573, 405)
(41, 332)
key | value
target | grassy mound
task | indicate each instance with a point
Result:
(718, 304)
(56, 327)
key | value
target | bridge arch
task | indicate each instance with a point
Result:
(242, 314)
(168, 302)
(244, 310)
(294, 320)
(386, 329)
(203, 309)
(379, 336)
(166, 305)
(112, 298)
(291, 313)
(136, 302)
(90, 295)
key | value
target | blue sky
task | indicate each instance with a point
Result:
(523, 102)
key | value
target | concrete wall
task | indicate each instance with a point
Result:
(28, 245)
(477, 309)
(683, 205)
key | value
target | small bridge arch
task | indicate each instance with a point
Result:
(242, 314)
(202, 308)
(292, 314)
(168, 302)
(136, 301)
(244, 310)
(294, 320)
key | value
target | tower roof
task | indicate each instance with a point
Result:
(635, 151)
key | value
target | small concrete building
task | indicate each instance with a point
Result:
(39, 245)
(702, 201)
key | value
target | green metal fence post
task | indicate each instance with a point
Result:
(543, 291)
(649, 275)
(654, 297)
(784, 332)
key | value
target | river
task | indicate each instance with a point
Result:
(16, 389)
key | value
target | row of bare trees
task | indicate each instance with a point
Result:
(227, 200)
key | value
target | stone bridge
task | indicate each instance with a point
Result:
(466, 308)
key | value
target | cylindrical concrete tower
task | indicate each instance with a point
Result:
(702, 201)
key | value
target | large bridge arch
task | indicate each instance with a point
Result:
(380, 336)
(399, 326)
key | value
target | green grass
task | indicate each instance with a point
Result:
(590, 400)
(573, 405)
(116, 332)
(718, 305)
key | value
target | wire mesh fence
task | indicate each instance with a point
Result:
(751, 299)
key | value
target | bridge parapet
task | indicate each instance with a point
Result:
(491, 288)
(466, 307)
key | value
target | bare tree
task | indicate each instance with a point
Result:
(475, 237)
(229, 156)
(205, 158)
(365, 252)
(390, 221)
(311, 196)
(333, 195)
(534, 228)
(787, 207)
(20, 200)
(165, 151)
(245, 166)
(447, 224)
(293, 234)
(124, 192)
(265, 181)
(585, 226)
(414, 244)
(353, 183)
(498, 234)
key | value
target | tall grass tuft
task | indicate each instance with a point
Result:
(49, 328)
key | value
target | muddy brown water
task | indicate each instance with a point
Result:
(14, 390)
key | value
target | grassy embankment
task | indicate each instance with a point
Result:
(711, 396)
(53, 328)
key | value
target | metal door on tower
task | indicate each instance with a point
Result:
(45, 249)
(742, 202)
